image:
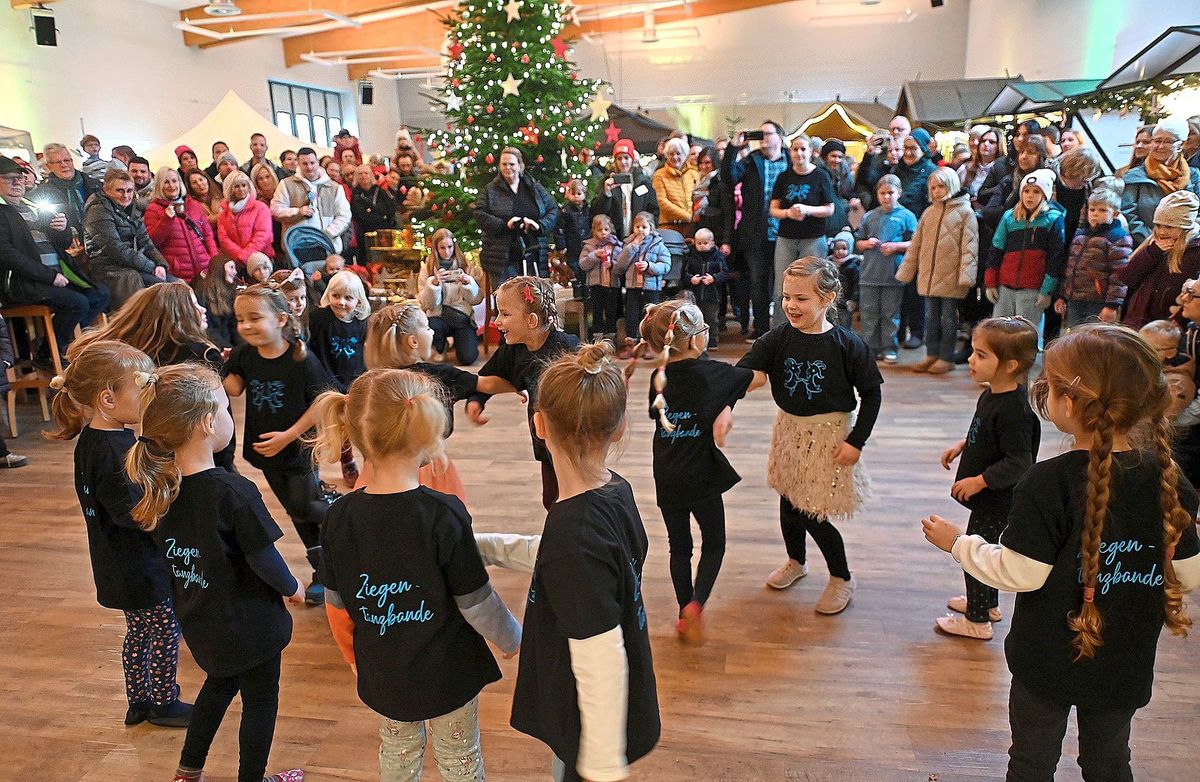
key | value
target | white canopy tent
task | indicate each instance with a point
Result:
(232, 121)
(16, 143)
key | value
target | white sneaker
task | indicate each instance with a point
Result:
(836, 596)
(13, 460)
(957, 624)
(787, 574)
(959, 604)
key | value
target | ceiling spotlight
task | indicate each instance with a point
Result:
(222, 8)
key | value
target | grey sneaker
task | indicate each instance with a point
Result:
(13, 460)
(787, 574)
(836, 596)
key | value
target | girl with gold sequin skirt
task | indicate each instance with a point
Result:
(826, 384)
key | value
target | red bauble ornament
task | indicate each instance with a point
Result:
(596, 145)
(470, 119)
(572, 150)
(540, 159)
(456, 50)
(491, 58)
(574, 76)
(489, 108)
(455, 82)
(491, 159)
(433, 208)
(524, 59)
(450, 200)
(560, 137)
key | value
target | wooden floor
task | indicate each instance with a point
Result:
(778, 693)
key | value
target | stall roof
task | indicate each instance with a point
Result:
(949, 102)
(1174, 53)
(847, 121)
(1023, 97)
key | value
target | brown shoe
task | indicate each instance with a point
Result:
(940, 367)
(924, 364)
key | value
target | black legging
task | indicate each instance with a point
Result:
(298, 491)
(795, 523)
(710, 517)
(260, 704)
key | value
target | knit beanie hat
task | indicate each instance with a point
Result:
(179, 150)
(832, 145)
(843, 236)
(1177, 209)
(922, 137)
(1176, 127)
(1042, 178)
(624, 146)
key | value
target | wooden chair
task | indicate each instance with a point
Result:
(24, 375)
(576, 308)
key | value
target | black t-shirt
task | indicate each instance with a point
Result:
(587, 580)
(1002, 444)
(458, 383)
(813, 374)
(812, 189)
(1045, 524)
(278, 391)
(126, 565)
(688, 466)
(398, 561)
(232, 620)
(523, 368)
(338, 344)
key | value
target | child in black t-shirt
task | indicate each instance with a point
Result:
(815, 369)
(406, 593)
(527, 318)
(691, 402)
(227, 579)
(281, 379)
(337, 333)
(399, 337)
(1000, 447)
(585, 685)
(1101, 546)
(97, 401)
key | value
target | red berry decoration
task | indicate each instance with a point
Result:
(491, 159)
(490, 108)
(524, 59)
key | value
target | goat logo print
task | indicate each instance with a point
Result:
(266, 396)
(808, 374)
(345, 347)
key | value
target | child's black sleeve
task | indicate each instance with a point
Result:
(1014, 434)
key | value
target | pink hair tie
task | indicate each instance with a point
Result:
(1089, 594)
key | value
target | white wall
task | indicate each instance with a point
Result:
(123, 70)
(1066, 39)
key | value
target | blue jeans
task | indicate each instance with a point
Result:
(879, 308)
(941, 327)
(1080, 312)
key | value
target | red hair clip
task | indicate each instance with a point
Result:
(527, 293)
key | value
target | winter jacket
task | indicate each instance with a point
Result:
(914, 184)
(653, 250)
(642, 198)
(749, 172)
(674, 192)
(1096, 258)
(186, 240)
(850, 274)
(944, 250)
(843, 191)
(21, 266)
(452, 295)
(590, 262)
(7, 357)
(1141, 198)
(331, 210)
(715, 206)
(372, 209)
(574, 225)
(116, 239)
(1027, 255)
(1153, 288)
(701, 263)
(239, 234)
(70, 196)
(493, 211)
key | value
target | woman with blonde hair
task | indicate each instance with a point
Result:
(178, 225)
(449, 291)
(673, 184)
(244, 223)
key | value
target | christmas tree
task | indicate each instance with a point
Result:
(508, 83)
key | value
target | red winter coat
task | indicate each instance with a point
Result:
(186, 240)
(247, 232)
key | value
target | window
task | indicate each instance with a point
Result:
(308, 113)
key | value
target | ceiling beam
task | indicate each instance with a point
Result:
(21, 5)
(249, 7)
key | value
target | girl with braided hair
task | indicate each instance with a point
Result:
(527, 318)
(1097, 571)
(691, 402)
(97, 401)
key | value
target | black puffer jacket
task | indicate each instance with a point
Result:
(64, 194)
(493, 211)
(116, 238)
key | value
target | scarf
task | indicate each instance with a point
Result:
(1170, 177)
(238, 206)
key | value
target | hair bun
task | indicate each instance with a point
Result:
(143, 379)
(595, 356)
(58, 382)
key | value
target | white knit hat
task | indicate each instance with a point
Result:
(1177, 127)
(1043, 178)
(1177, 209)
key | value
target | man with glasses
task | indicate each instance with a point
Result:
(38, 263)
(755, 235)
(119, 249)
(875, 161)
(65, 188)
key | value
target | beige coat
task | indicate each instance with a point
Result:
(944, 252)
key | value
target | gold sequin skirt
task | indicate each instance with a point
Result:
(801, 466)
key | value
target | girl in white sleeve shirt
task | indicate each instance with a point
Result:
(585, 685)
(1101, 545)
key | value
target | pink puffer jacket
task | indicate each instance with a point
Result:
(186, 240)
(246, 232)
